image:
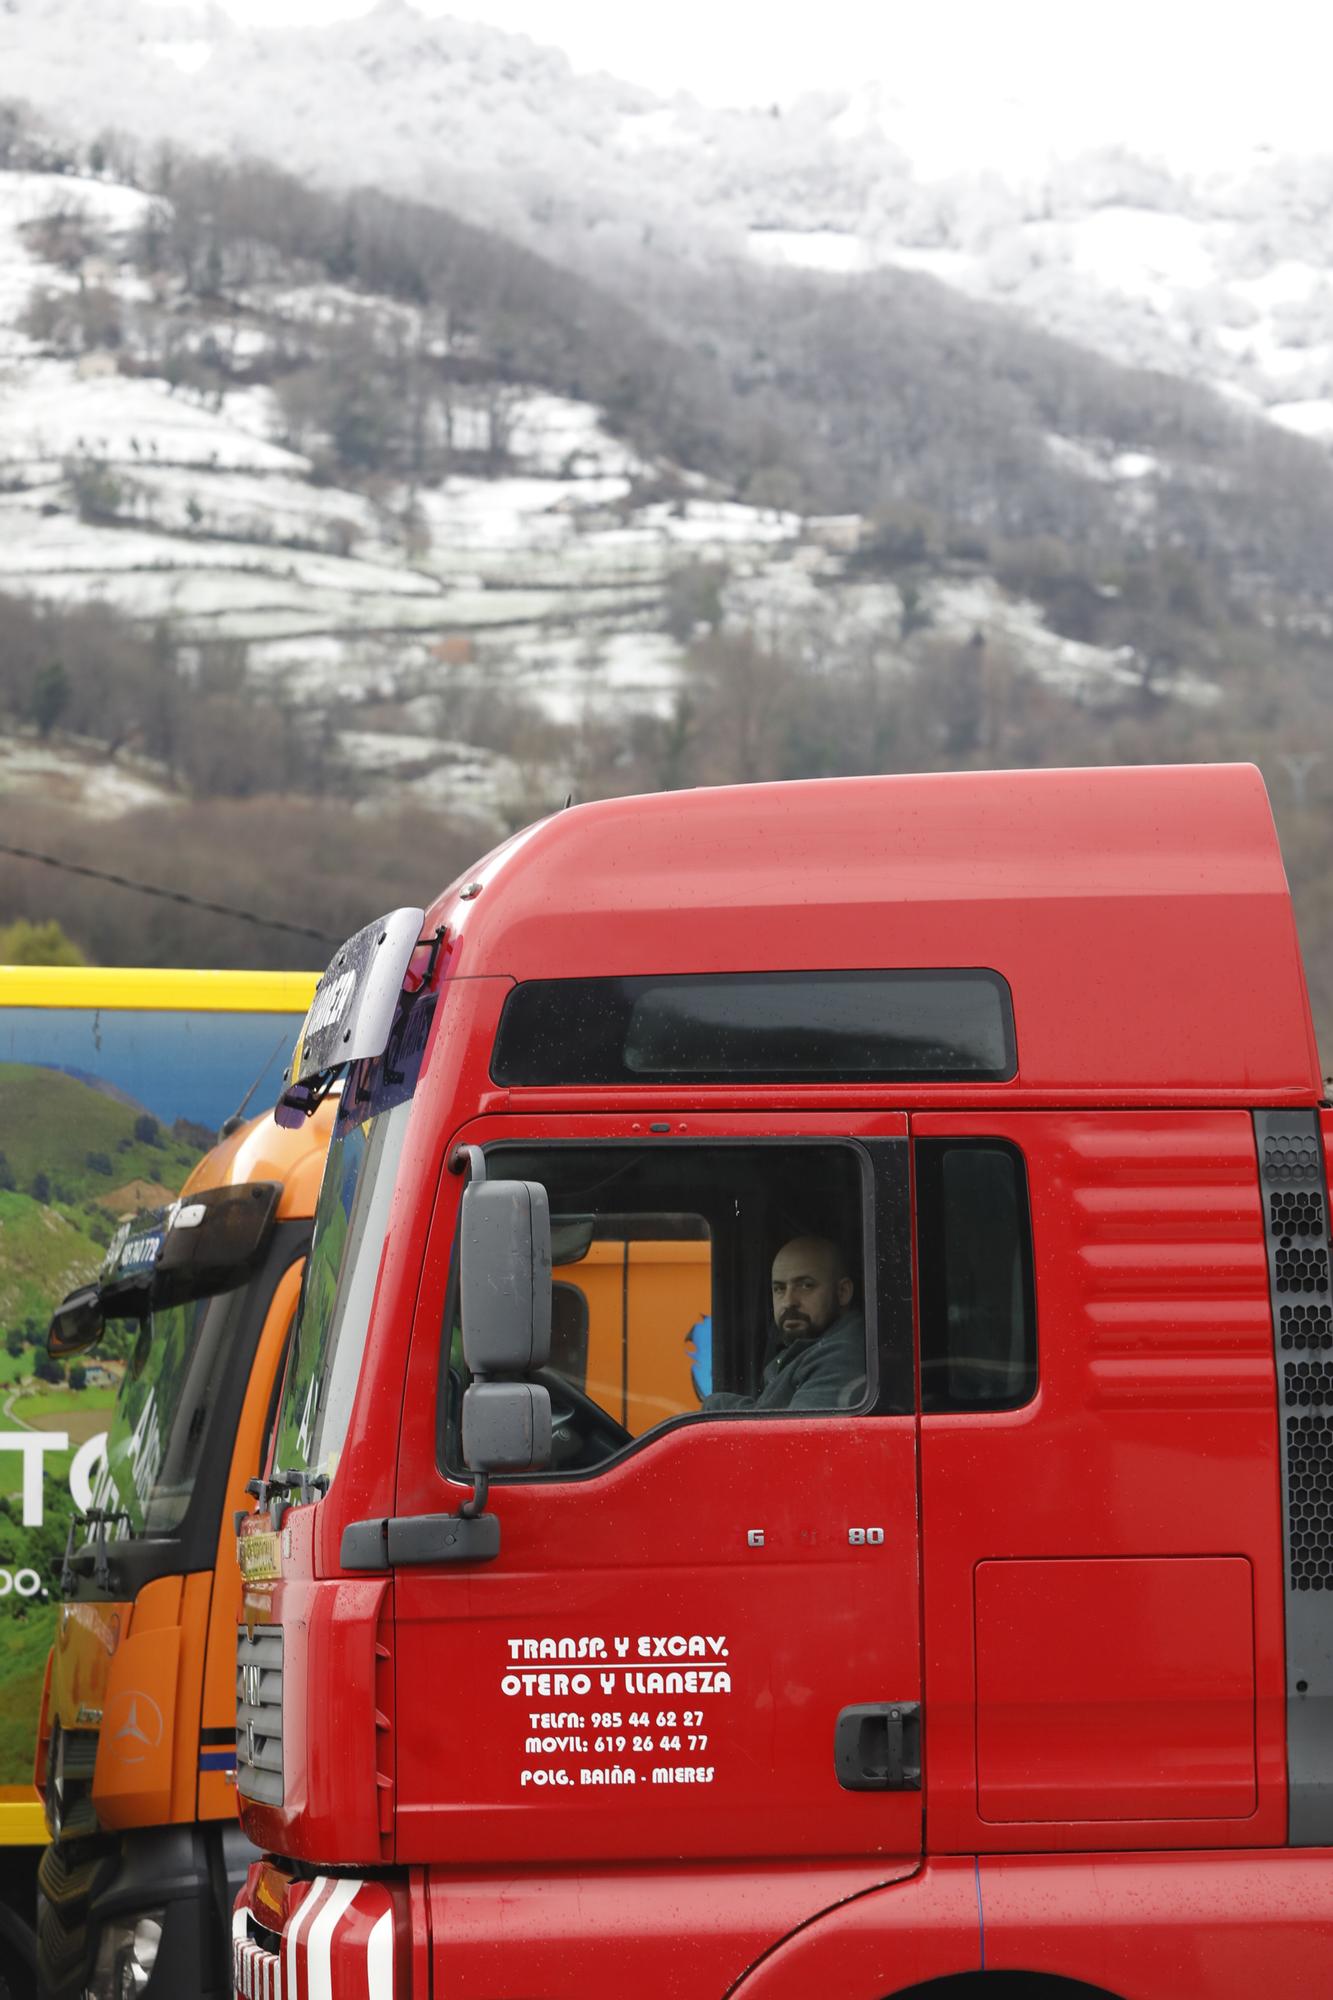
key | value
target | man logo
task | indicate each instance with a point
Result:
(254, 1685)
(133, 1727)
(327, 1006)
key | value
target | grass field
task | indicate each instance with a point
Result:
(45, 1401)
(42, 1256)
(54, 1124)
(27, 1626)
(71, 1158)
(25, 1640)
(80, 1412)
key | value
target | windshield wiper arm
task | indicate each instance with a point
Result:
(282, 1490)
(99, 1520)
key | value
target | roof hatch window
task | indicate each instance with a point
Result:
(763, 1027)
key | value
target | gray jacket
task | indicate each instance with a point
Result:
(826, 1373)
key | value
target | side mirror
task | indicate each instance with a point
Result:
(506, 1427)
(505, 1277)
(76, 1324)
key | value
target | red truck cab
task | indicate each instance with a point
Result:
(976, 1616)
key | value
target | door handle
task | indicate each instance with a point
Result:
(877, 1747)
(421, 1539)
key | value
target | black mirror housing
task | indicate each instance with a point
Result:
(506, 1427)
(76, 1324)
(505, 1277)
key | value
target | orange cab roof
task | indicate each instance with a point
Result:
(263, 1151)
(1141, 916)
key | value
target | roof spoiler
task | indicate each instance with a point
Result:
(352, 1011)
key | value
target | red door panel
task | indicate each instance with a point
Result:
(1102, 1568)
(655, 1663)
(1121, 1712)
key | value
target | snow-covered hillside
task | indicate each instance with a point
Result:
(1225, 282)
(120, 489)
(394, 616)
(1219, 275)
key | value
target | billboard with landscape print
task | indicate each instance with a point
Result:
(112, 1086)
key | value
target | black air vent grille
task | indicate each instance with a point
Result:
(1293, 1213)
(1291, 1160)
(1294, 1186)
(1307, 1396)
(1310, 1481)
(1307, 1328)
(1307, 1384)
(1301, 1270)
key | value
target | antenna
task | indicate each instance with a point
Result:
(229, 1125)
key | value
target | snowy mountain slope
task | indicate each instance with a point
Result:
(1206, 289)
(121, 489)
(1220, 275)
(390, 616)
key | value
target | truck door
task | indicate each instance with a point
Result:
(1103, 1545)
(700, 1637)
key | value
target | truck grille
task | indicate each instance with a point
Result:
(259, 1713)
(71, 1760)
(337, 1937)
(256, 1973)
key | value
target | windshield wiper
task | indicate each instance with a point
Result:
(99, 1520)
(282, 1490)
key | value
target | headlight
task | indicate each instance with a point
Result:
(126, 1957)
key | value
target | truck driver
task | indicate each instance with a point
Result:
(820, 1363)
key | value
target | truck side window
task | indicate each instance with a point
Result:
(664, 1303)
(974, 1248)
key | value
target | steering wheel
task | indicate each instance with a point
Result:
(575, 1414)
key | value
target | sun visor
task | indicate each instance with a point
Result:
(353, 1008)
(214, 1241)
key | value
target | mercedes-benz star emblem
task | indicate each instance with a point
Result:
(134, 1726)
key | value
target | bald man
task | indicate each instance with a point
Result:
(821, 1359)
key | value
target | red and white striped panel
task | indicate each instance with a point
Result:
(337, 1944)
(255, 1973)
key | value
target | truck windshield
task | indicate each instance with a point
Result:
(350, 1225)
(157, 1436)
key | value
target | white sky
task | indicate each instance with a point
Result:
(1197, 80)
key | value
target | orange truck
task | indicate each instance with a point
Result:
(114, 1082)
(136, 1754)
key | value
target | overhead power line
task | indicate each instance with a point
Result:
(165, 895)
